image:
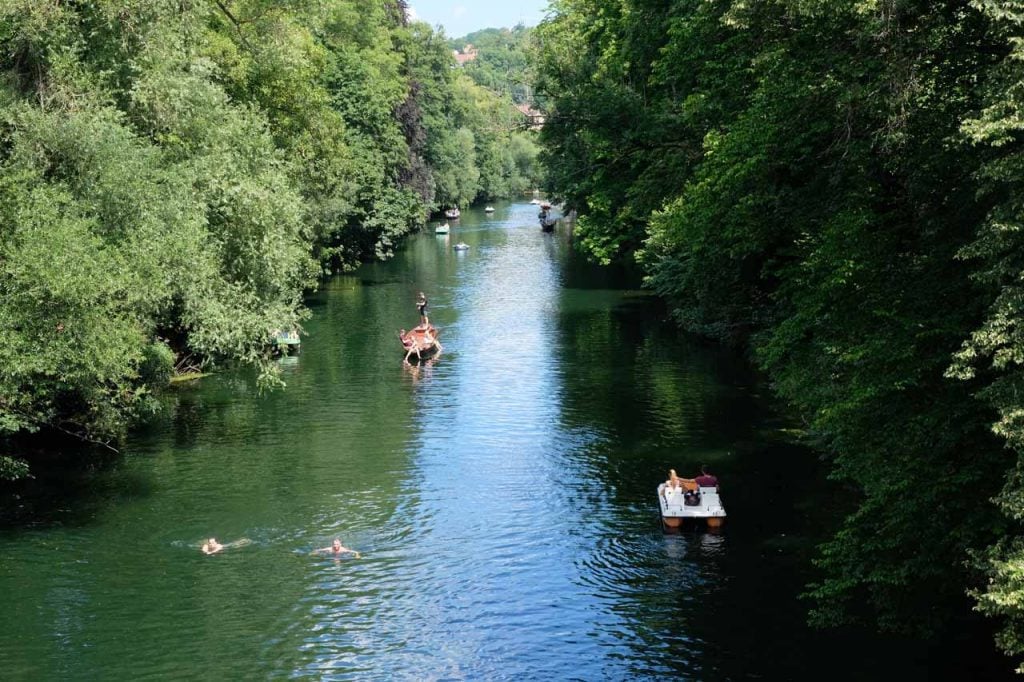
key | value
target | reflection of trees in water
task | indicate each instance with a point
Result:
(420, 370)
(633, 378)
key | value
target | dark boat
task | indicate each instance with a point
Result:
(418, 337)
(547, 221)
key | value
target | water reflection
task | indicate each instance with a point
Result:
(502, 497)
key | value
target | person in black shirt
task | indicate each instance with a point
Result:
(421, 306)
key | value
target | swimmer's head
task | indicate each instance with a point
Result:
(336, 545)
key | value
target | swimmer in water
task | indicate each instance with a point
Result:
(211, 546)
(336, 549)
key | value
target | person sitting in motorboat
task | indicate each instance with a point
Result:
(674, 481)
(677, 484)
(706, 478)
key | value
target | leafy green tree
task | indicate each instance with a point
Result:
(502, 63)
(793, 178)
(993, 351)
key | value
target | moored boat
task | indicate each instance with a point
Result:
(285, 341)
(701, 503)
(422, 338)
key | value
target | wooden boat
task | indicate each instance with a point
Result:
(442, 229)
(417, 336)
(701, 504)
(452, 213)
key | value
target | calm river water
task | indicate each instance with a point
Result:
(502, 497)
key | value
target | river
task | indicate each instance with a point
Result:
(502, 496)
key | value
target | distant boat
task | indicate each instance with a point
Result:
(489, 209)
(678, 505)
(418, 337)
(461, 246)
(534, 201)
(547, 221)
(452, 213)
(442, 229)
(285, 342)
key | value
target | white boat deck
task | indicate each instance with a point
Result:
(673, 504)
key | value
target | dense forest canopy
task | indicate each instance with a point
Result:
(175, 175)
(500, 61)
(834, 185)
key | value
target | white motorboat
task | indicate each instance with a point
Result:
(679, 504)
(442, 229)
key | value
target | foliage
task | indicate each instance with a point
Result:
(795, 177)
(173, 177)
(995, 348)
(477, 140)
(502, 62)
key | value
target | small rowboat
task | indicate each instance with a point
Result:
(461, 246)
(442, 229)
(418, 337)
(678, 504)
(489, 209)
(452, 213)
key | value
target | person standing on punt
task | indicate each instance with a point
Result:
(421, 306)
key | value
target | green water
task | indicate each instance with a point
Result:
(502, 496)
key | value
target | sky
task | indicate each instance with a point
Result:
(460, 17)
